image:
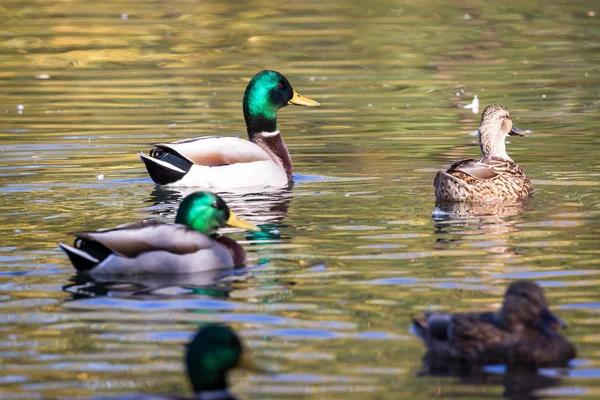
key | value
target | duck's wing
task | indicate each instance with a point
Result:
(132, 239)
(216, 150)
(480, 338)
(436, 326)
(484, 169)
(480, 327)
(462, 337)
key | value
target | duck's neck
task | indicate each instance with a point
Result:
(273, 143)
(259, 112)
(261, 124)
(238, 254)
(492, 143)
(256, 124)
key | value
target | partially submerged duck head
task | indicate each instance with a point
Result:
(214, 351)
(206, 212)
(267, 92)
(525, 305)
(495, 126)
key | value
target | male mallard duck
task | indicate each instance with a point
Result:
(522, 332)
(214, 351)
(494, 177)
(227, 162)
(146, 247)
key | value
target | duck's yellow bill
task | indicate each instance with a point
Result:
(237, 222)
(246, 362)
(300, 100)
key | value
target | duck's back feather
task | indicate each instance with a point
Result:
(479, 169)
(152, 248)
(488, 179)
(216, 150)
(130, 240)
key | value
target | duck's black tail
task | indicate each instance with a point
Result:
(419, 326)
(85, 254)
(165, 167)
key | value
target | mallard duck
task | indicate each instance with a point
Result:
(228, 162)
(523, 332)
(146, 247)
(214, 351)
(495, 176)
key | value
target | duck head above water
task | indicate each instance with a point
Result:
(267, 92)
(495, 126)
(207, 212)
(214, 351)
(525, 305)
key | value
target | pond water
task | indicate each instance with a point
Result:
(354, 249)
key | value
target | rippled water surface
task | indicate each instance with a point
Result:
(354, 249)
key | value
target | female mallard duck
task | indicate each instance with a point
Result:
(227, 162)
(522, 332)
(214, 351)
(494, 177)
(147, 247)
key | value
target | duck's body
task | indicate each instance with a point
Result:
(147, 247)
(521, 333)
(221, 162)
(492, 178)
(226, 162)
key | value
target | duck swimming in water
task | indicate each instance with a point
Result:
(495, 177)
(523, 332)
(189, 245)
(214, 351)
(226, 162)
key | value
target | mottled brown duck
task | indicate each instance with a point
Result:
(522, 333)
(494, 177)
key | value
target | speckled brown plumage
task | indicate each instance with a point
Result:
(495, 176)
(522, 332)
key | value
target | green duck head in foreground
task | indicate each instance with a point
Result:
(214, 351)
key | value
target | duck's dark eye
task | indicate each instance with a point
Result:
(215, 204)
(280, 85)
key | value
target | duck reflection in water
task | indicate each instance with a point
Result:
(267, 207)
(517, 383)
(494, 218)
(216, 284)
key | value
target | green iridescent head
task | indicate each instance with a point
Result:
(214, 351)
(206, 212)
(267, 92)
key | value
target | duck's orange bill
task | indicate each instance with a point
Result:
(300, 100)
(237, 222)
